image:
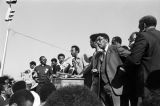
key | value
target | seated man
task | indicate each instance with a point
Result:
(73, 96)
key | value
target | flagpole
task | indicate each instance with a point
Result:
(8, 18)
(5, 50)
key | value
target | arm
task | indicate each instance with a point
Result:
(137, 51)
(86, 69)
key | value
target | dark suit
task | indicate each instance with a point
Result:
(107, 68)
(144, 55)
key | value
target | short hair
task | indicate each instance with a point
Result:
(41, 58)
(32, 63)
(93, 37)
(73, 95)
(3, 79)
(76, 48)
(104, 35)
(20, 97)
(54, 59)
(148, 20)
(61, 54)
(46, 90)
(118, 39)
(18, 86)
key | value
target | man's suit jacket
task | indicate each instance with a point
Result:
(145, 55)
(111, 62)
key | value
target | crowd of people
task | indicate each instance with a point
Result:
(115, 75)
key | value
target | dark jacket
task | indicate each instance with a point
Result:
(144, 57)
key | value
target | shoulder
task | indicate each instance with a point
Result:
(112, 48)
(37, 67)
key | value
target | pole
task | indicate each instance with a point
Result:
(4, 51)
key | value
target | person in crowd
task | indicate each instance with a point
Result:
(5, 90)
(3, 98)
(44, 72)
(128, 97)
(78, 61)
(29, 76)
(64, 66)
(132, 39)
(122, 50)
(21, 98)
(144, 54)
(129, 85)
(34, 76)
(19, 85)
(73, 96)
(45, 91)
(32, 65)
(117, 41)
(87, 74)
(54, 65)
(107, 61)
(90, 80)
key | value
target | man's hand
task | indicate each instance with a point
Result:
(123, 52)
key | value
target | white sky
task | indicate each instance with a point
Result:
(67, 22)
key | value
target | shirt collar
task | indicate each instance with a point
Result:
(106, 48)
(150, 28)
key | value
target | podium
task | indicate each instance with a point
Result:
(61, 82)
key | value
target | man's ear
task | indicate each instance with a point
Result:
(145, 26)
(14, 104)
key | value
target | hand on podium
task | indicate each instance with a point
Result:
(79, 76)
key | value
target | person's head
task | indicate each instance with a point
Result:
(102, 40)
(21, 98)
(61, 57)
(146, 22)
(53, 61)
(2, 90)
(4, 81)
(74, 50)
(73, 96)
(46, 90)
(93, 38)
(43, 60)
(19, 85)
(116, 41)
(132, 39)
(32, 64)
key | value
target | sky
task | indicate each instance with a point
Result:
(63, 23)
